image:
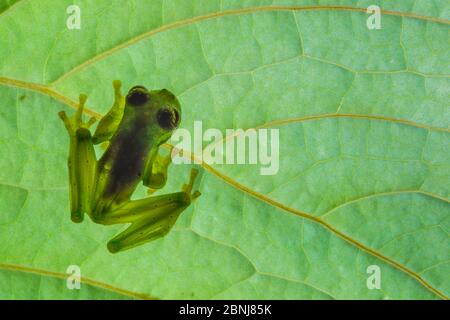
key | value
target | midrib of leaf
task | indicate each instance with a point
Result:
(241, 11)
(63, 276)
(47, 91)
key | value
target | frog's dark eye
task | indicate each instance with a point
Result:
(168, 119)
(137, 96)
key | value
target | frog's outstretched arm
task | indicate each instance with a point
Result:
(82, 162)
(110, 122)
(150, 218)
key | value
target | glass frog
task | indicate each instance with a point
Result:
(133, 130)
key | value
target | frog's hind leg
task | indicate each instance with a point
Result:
(81, 162)
(150, 218)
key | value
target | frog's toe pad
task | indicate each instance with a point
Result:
(113, 246)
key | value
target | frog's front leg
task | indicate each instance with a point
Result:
(109, 123)
(81, 163)
(150, 218)
(155, 172)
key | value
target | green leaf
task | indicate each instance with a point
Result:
(363, 120)
(25, 284)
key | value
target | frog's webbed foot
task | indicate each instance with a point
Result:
(75, 122)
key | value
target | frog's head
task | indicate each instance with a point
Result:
(161, 106)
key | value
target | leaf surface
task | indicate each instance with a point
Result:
(363, 120)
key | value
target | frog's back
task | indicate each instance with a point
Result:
(123, 163)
